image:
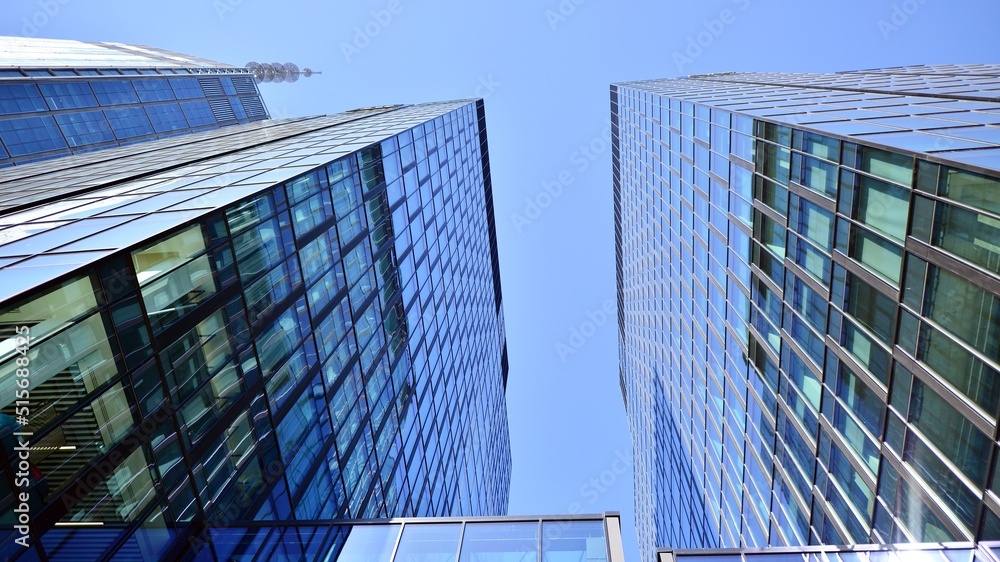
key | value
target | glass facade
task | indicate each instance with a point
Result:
(67, 97)
(951, 552)
(290, 320)
(809, 305)
(499, 539)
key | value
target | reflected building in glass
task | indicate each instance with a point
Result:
(60, 97)
(809, 305)
(289, 320)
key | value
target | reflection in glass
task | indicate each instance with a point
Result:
(370, 543)
(429, 543)
(500, 542)
(578, 540)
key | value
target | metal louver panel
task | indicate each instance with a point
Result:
(253, 106)
(244, 85)
(222, 110)
(212, 86)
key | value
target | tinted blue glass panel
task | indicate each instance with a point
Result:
(114, 92)
(153, 90)
(186, 88)
(128, 122)
(577, 540)
(166, 117)
(198, 113)
(502, 542)
(227, 86)
(85, 127)
(31, 135)
(20, 98)
(68, 95)
(238, 107)
(433, 542)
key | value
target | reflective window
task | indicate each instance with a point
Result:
(185, 88)
(129, 122)
(880, 256)
(166, 117)
(887, 165)
(114, 92)
(982, 192)
(499, 542)
(573, 541)
(174, 275)
(198, 113)
(969, 312)
(153, 90)
(30, 135)
(950, 432)
(428, 543)
(20, 98)
(85, 127)
(884, 207)
(973, 236)
(68, 95)
(818, 175)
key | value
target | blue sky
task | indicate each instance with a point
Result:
(544, 68)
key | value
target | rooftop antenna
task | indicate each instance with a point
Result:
(277, 72)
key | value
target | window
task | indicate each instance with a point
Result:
(813, 222)
(68, 95)
(31, 135)
(186, 88)
(128, 122)
(873, 310)
(580, 540)
(884, 207)
(818, 175)
(174, 275)
(975, 190)
(85, 127)
(879, 255)
(153, 90)
(20, 98)
(114, 92)
(973, 236)
(887, 165)
(166, 117)
(969, 312)
(949, 431)
(198, 113)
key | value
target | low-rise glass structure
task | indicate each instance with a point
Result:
(594, 538)
(291, 320)
(808, 289)
(60, 97)
(925, 552)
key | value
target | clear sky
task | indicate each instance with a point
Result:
(544, 68)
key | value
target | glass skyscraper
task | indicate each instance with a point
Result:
(282, 321)
(60, 97)
(809, 305)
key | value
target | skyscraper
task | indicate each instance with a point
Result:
(282, 320)
(809, 316)
(60, 97)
